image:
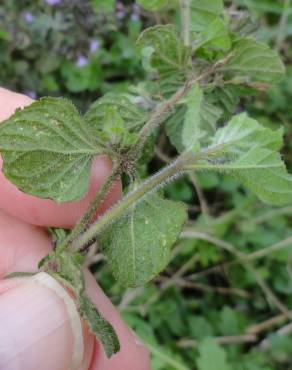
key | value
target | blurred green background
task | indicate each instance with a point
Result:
(208, 310)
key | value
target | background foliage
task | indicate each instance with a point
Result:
(212, 308)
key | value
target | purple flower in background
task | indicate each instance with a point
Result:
(81, 61)
(119, 5)
(53, 2)
(121, 14)
(32, 94)
(28, 17)
(94, 45)
(135, 17)
(136, 8)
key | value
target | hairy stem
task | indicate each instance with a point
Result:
(86, 218)
(165, 109)
(185, 21)
(166, 174)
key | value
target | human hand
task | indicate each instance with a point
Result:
(35, 329)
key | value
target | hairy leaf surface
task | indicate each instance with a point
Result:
(132, 115)
(194, 122)
(199, 120)
(254, 62)
(248, 151)
(138, 245)
(47, 150)
(204, 12)
(101, 328)
(165, 51)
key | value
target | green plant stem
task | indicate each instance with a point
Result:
(86, 218)
(162, 112)
(156, 351)
(165, 109)
(166, 174)
(282, 25)
(185, 20)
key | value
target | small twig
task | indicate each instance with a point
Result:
(243, 259)
(273, 213)
(162, 156)
(234, 339)
(282, 25)
(202, 201)
(207, 288)
(129, 296)
(284, 331)
(266, 325)
(94, 259)
(185, 21)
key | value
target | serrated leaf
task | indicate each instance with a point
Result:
(138, 245)
(204, 12)
(47, 150)
(211, 356)
(101, 328)
(248, 151)
(254, 61)
(152, 5)
(133, 116)
(115, 120)
(167, 52)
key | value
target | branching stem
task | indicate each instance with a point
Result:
(159, 115)
(166, 174)
(87, 217)
(165, 109)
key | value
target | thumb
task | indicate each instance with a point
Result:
(40, 327)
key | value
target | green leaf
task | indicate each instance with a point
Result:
(165, 51)
(66, 267)
(194, 123)
(204, 12)
(152, 5)
(211, 356)
(133, 116)
(116, 129)
(47, 150)
(99, 326)
(192, 133)
(248, 151)
(216, 35)
(253, 61)
(115, 120)
(138, 245)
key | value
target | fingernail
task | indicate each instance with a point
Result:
(40, 327)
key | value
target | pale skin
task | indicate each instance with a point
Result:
(35, 330)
